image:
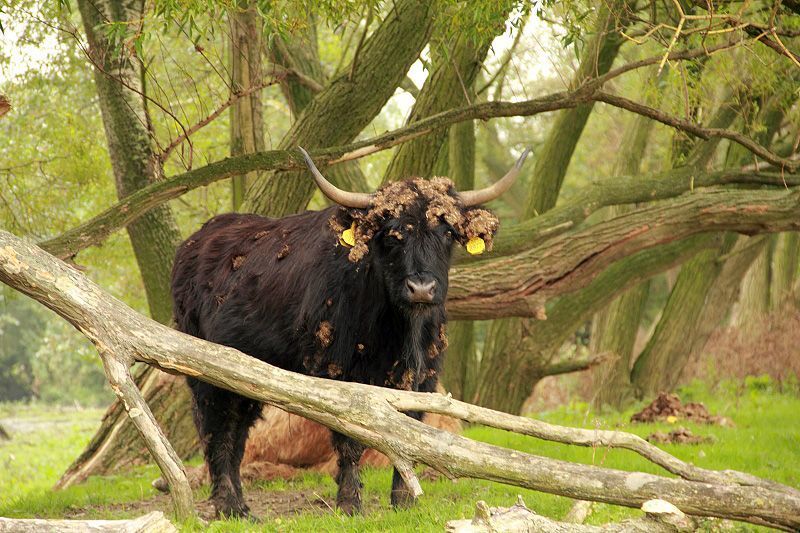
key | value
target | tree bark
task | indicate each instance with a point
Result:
(120, 90)
(706, 288)
(567, 313)
(504, 346)
(615, 328)
(154, 522)
(785, 267)
(348, 103)
(455, 65)
(374, 415)
(300, 54)
(154, 237)
(660, 517)
(247, 113)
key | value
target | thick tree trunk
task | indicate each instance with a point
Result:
(154, 237)
(785, 267)
(455, 65)
(120, 90)
(706, 287)
(615, 328)
(619, 389)
(614, 331)
(754, 303)
(247, 115)
(505, 343)
(348, 103)
(300, 54)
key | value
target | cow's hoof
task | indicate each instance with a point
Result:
(349, 507)
(238, 512)
(402, 499)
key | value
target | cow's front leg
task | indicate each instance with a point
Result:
(348, 498)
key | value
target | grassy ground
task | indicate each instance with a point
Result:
(765, 442)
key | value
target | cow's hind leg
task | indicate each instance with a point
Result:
(348, 498)
(223, 421)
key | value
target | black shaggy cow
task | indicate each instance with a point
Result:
(354, 292)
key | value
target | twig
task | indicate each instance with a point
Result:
(164, 155)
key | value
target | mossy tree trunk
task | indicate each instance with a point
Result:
(785, 267)
(154, 236)
(348, 103)
(706, 287)
(120, 89)
(507, 349)
(614, 329)
(300, 54)
(247, 115)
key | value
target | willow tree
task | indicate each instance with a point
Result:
(325, 115)
(511, 360)
(561, 257)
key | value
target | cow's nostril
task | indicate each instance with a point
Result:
(421, 291)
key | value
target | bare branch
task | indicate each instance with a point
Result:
(695, 129)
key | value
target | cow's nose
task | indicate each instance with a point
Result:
(421, 291)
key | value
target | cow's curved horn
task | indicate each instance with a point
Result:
(481, 196)
(357, 200)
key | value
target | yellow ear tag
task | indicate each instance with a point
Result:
(476, 246)
(348, 236)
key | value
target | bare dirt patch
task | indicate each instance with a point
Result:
(679, 435)
(264, 504)
(668, 407)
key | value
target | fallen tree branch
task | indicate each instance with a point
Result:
(363, 412)
(154, 522)
(660, 517)
(593, 438)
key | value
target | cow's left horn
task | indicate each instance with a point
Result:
(481, 196)
(357, 200)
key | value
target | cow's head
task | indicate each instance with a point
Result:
(407, 230)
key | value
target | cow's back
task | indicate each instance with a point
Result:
(241, 281)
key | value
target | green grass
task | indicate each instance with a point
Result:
(764, 442)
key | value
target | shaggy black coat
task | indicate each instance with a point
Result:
(284, 291)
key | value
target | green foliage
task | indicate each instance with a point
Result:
(763, 442)
(44, 358)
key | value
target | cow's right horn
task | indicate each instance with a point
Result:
(358, 200)
(481, 196)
